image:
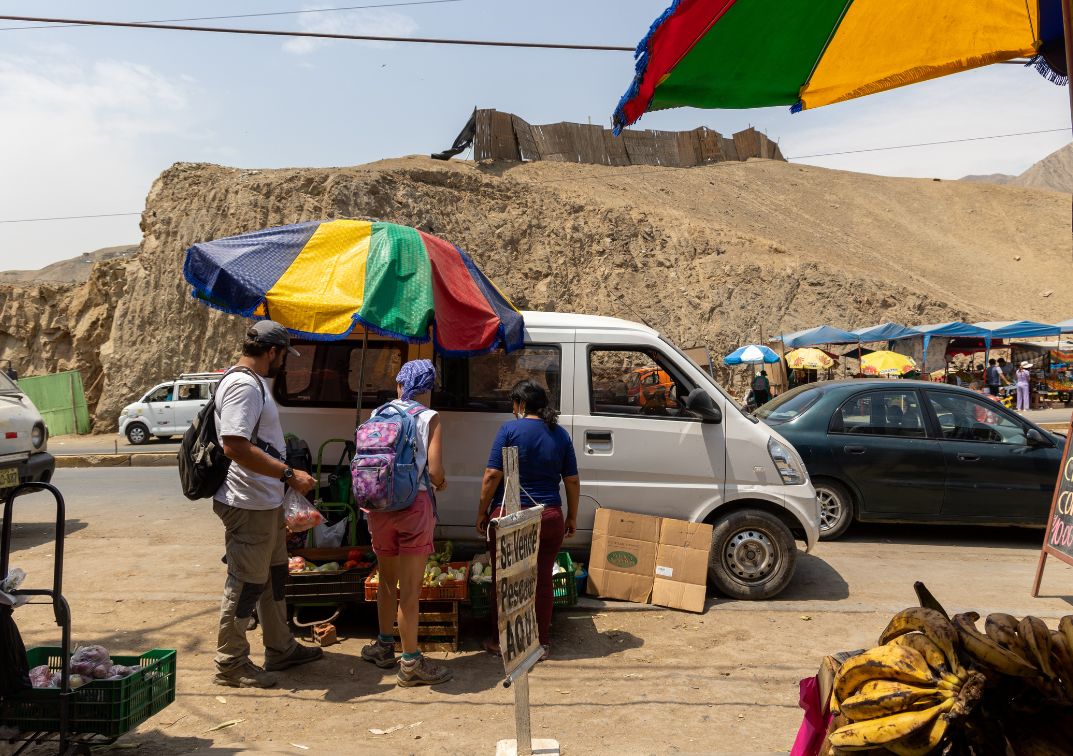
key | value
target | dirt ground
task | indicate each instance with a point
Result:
(142, 571)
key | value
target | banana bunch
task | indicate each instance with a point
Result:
(904, 694)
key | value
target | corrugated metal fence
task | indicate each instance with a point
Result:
(61, 400)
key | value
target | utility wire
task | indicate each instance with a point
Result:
(251, 15)
(317, 35)
(67, 217)
(928, 144)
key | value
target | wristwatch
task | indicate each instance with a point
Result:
(288, 473)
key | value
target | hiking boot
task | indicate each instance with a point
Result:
(300, 655)
(247, 675)
(421, 671)
(380, 654)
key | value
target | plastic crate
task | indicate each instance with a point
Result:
(480, 599)
(454, 590)
(103, 707)
(564, 587)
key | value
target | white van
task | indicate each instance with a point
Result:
(168, 408)
(24, 456)
(652, 431)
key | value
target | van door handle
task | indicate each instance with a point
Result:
(964, 457)
(598, 442)
(854, 449)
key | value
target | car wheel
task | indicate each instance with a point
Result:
(753, 555)
(137, 434)
(836, 509)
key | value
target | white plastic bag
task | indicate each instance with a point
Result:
(329, 536)
(300, 514)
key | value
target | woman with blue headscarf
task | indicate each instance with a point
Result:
(402, 540)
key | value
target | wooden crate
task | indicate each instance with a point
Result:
(437, 627)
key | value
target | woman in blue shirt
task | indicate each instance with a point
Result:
(545, 457)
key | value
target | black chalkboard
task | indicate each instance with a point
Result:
(1058, 538)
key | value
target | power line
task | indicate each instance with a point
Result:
(929, 144)
(250, 15)
(317, 35)
(67, 217)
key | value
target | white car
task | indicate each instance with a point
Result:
(653, 433)
(168, 408)
(24, 456)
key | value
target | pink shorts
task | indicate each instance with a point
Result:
(408, 531)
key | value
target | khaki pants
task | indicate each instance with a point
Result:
(255, 541)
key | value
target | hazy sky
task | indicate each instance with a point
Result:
(89, 116)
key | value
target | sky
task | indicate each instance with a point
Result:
(89, 117)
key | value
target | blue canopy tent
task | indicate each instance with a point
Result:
(816, 337)
(885, 332)
(952, 330)
(1019, 329)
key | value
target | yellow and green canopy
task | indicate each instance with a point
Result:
(809, 53)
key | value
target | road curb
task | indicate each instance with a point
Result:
(162, 459)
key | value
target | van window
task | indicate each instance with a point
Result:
(483, 383)
(193, 391)
(627, 381)
(328, 373)
(161, 394)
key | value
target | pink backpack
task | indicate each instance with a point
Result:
(383, 474)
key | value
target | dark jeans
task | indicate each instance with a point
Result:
(552, 531)
(992, 389)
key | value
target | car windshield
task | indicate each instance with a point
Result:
(8, 386)
(790, 405)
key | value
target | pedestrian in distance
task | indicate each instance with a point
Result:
(995, 378)
(403, 540)
(250, 505)
(545, 458)
(1007, 370)
(761, 387)
(1024, 378)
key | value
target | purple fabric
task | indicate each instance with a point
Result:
(416, 377)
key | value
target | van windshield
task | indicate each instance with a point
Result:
(8, 386)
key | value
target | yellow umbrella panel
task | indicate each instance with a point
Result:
(887, 363)
(809, 358)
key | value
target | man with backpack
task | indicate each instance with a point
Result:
(761, 389)
(401, 443)
(250, 504)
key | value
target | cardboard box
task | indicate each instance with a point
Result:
(623, 556)
(680, 576)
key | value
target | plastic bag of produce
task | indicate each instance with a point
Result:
(330, 536)
(91, 661)
(301, 515)
(41, 677)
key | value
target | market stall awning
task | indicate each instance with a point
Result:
(953, 330)
(1019, 329)
(885, 332)
(1066, 326)
(824, 334)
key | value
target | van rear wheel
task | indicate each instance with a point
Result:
(753, 555)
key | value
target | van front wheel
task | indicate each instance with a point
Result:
(137, 434)
(753, 555)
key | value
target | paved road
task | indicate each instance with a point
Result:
(108, 443)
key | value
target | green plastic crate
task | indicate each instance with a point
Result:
(564, 587)
(103, 707)
(480, 599)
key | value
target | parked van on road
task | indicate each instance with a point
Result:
(168, 408)
(696, 456)
(24, 456)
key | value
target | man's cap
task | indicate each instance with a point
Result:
(272, 333)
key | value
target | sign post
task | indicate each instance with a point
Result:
(1058, 538)
(517, 534)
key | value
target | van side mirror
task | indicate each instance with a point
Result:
(1035, 439)
(700, 403)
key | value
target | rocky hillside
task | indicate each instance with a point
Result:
(1054, 172)
(74, 270)
(711, 255)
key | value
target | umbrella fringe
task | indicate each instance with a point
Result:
(1043, 68)
(641, 54)
(797, 107)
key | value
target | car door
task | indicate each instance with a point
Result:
(644, 454)
(993, 473)
(879, 442)
(190, 397)
(161, 409)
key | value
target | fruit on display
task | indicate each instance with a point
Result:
(939, 685)
(438, 569)
(299, 565)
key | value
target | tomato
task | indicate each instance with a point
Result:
(349, 564)
(354, 555)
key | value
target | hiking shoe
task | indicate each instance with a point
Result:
(380, 654)
(300, 655)
(247, 675)
(421, 671)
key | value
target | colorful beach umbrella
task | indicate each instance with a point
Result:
(809, 53)
(809, 358)
(321, 279)
(887, 363)
(751, 354)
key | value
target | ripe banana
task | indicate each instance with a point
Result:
(886, 730)
(927, 648)
(1002, 628)
(987, 652)
(881, 698)
(923, 741)
(932, 624)
(1062, 661)
(1037, 637)
(882, 663)
(1065, 627)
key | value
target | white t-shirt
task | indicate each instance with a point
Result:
(423, 419)
(239, 412)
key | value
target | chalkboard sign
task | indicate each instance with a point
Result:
(1058, 539)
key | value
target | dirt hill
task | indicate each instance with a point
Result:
(711, 255)
(73, 270)
(1054, 172)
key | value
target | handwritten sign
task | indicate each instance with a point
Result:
(517, 541)
(1058, 539)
